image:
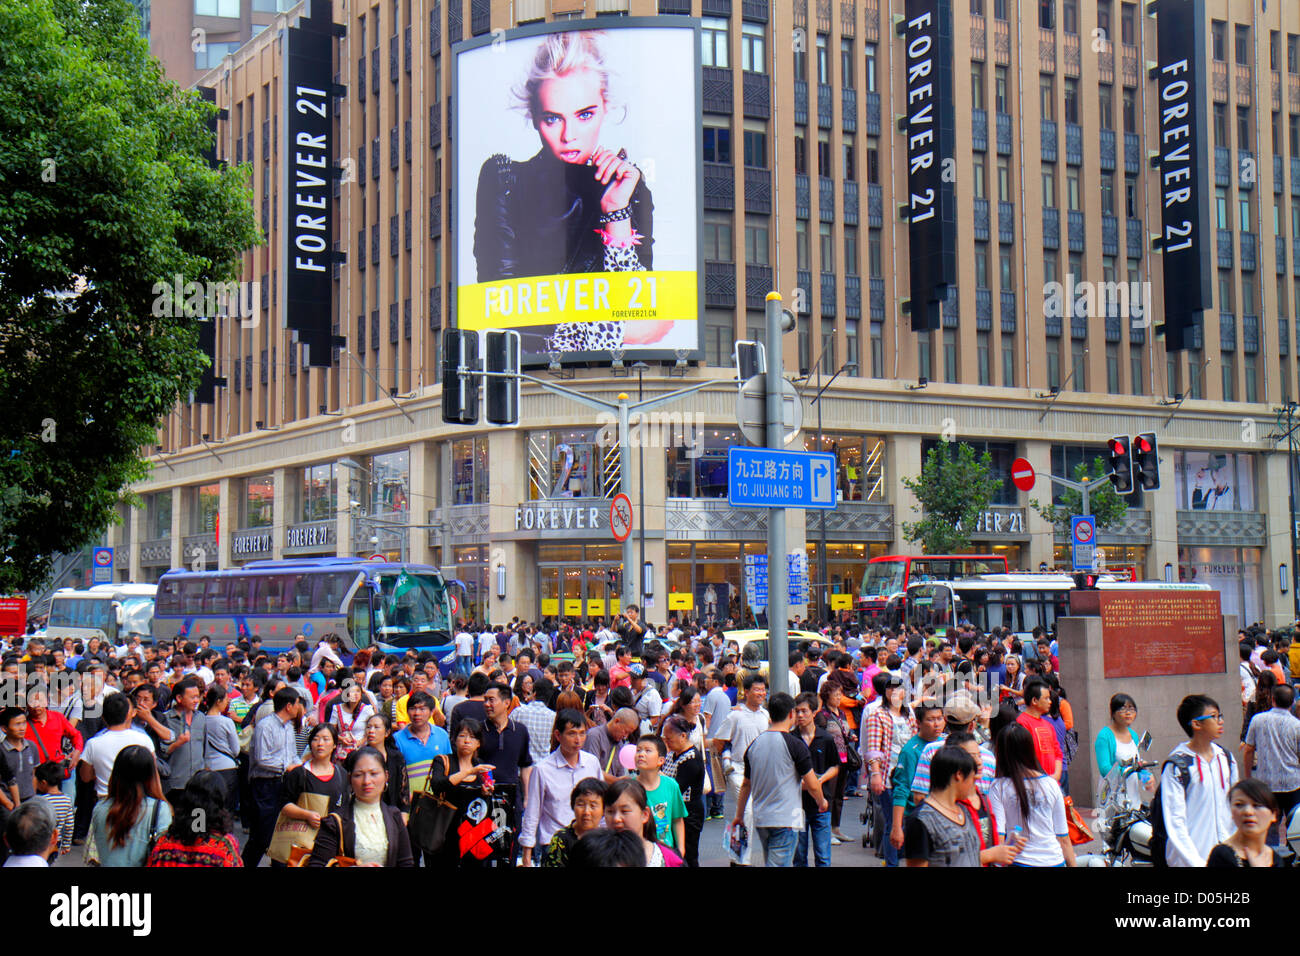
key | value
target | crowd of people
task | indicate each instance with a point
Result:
(567, 746)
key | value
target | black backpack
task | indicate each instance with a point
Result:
(1159, 832)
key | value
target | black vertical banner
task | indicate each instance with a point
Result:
(1186, 236)
(309, 170)
(931, 148)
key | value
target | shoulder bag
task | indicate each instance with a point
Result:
(432, 815)
(298, 856)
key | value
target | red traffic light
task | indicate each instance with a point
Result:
(1117, 447)
(1142, 445)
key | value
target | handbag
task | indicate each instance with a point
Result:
(298, 855)
(290, 833)
(432, 815)
(1079, 832)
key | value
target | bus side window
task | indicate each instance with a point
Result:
(302, 592)
(239, 595)
(214, 597)
(192, 596)
(359, 619)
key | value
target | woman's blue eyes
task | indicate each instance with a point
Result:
(552, 119)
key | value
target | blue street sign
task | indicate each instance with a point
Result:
(769, 478)
(1083, 542)
(102, 559)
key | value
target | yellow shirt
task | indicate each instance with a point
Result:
(400, 716)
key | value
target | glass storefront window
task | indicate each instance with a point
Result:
(469, 471)
(860, 464)
(570, 464)
(1236, 573)
(704, 476)
(1065, 458)
(472, 571)
(1214, 481)
(390, 483)
(207, 502)
(1113, 557)
(259, 501)
(316, 494)
(158, 515)
(1002, 453)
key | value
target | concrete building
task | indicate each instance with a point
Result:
(804, 168)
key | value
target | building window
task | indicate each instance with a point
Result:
(1245, 55)
(1006, 272)
(1049, 188)
(1000, 10)
(1229, 381)
(871, 67)
(1220, 125)
(1135, 373)
(1000, 89)
(824, 154)
(1047, 14)
(950, 356)
(1243, 127)
(1130, 110)
(1219, 40)
(802, 255)
(1273, 45)
(714, 41)
(1071, 100)
(207, 503)
(719, 338)
(1112, 368)
(158, 515)
(923, 355)
(1070, 16)
(316, 493)
(982, 353)
(847, 73)
(851, 250)
(1292, 54)
(259, 500)
(756, 244)
(1004, 179)
(849, 156)
(717, 238)
(823, 61)
(217, 8)
(755, 148)
(1105, 112)
(1079, 370)
(1053, 365)
(1128, 23)
(977, 178)
(1108, 193)
(753, 45)
(1221, 206)
(568, 464)
(717, 144)
(469, 471)
(1130, 197)
(1047, 97)
(874, 255)
(826, 247)
(977, 85)
(800, 151)
(1072, 190)
(1008, 362)
(982, 265)
(211, 54)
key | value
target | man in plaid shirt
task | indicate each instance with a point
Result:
(539, 719)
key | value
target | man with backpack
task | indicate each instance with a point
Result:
(1190, 812)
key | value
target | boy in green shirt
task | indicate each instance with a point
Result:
(663, 796)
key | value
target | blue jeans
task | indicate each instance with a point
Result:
(819, 828)
(777, 843)
(886, 801)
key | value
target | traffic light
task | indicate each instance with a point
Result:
(503, 393)
(459, 377)
(1146, 461)
(1085, 581)
(1121, 464)
(751, 360)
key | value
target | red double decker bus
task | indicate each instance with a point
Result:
(883, 596)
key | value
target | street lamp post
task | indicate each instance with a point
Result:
(640, 397)
(823, 585)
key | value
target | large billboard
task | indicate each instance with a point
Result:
(308, 227)
(931, 145)
(577, 184)
(1185, 233)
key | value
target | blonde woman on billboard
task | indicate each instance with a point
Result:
(577, 206)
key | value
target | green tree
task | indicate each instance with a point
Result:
(105, 193)
(953, 488)
(1107, 507)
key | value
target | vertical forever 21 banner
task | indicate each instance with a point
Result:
(1185, 197)
(931, 135)
(308, 191)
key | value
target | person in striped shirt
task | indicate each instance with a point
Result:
(49, 783)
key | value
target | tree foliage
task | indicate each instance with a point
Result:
(1107, 507)
(953, 488)
(105, 192)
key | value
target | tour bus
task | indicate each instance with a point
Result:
(1020, 601)
(111, 612)
(887, 578)
(389, 606)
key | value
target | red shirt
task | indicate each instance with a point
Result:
(620, 676)
(1046, 746)
(48, 739)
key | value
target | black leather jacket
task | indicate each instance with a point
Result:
(540, 217)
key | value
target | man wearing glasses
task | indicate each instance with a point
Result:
(1194, 785)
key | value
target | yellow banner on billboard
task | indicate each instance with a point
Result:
(550, 607)
(615, 605)
(595, 608)
(841, 602)
(579, 297)
(573, 607)
(683, 601)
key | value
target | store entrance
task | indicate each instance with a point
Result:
(579, 582)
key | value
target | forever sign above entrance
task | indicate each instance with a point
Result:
(769, 478)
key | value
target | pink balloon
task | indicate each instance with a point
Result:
(627, 756)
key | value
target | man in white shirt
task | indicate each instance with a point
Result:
(486, 639)
(742, 727)
(464, 651)
(102, 749)
(1194, 785)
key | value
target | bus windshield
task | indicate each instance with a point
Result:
(409, 607)
(137, 616)
(883, 578)
(82, 612)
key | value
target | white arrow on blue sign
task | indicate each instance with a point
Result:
(772, 478)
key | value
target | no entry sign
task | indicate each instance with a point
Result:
(620, 517)
(1022, 474)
